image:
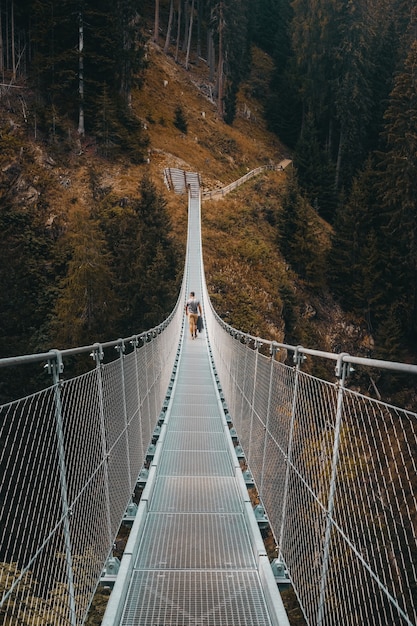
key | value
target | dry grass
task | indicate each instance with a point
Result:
(221, 153)
(239, 245)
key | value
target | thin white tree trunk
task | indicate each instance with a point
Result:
(198, 31)
(13, 44)
(1, 46)
(190, 31)
(178, 30)
(220, 66)
(81, 128)
(156, 28)
(211, 56)
(168, 37)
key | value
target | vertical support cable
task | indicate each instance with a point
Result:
(273, 350)
(298, 360)
(341, 370)
(121, 349)
(136, 347)
(147, 339)
(56, 367)
(242, 381)
(97, 355)
(258, 345)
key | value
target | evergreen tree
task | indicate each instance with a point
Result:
(120, 228)
(180, 120)
(27, 248)
(144, 257)
(266, 20)
(25, 295)
(87, 303)
(315, 171)
(353, 91)
(229, 23)
(354, 273)
(237, 52)
(397, 188)
(283, 109)
(55, 39)
(298, 230)
(111, 57)
(156, 263)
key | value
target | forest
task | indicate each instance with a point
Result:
(342, 99)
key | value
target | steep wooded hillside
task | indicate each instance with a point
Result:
(253, 284)
(70, 190)
(95, 243)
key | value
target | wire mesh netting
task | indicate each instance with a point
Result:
(70, 457)
(336, 472)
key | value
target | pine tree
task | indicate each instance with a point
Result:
(353, 98)
(398, 187)
(266, 21)
(315, 171)
(297, 235)
(355, 271)
(236, 52)
(87, 304)
(155, 266)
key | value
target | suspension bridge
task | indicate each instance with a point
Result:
(202, 447)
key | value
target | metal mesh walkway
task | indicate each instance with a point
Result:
(195, 555)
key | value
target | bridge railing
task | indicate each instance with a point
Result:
(335, 469)
(208, 195)
(336, 473)
(70, 457)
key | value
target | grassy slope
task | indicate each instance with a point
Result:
(245, 271)
(243, 265)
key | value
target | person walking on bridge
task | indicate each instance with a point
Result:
(193, 309)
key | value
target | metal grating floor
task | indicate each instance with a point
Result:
(197, 557)
(197, 598)
(195, 541)
(197, 494)
(195, 564)
(206, 463)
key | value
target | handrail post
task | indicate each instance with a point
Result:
(98, 355)
(121, 350)
(56, 367)
(135, 344)
(273, 350)
(298, 359)
(341, 371)
(257, 346)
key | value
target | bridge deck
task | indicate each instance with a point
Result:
(195, 555)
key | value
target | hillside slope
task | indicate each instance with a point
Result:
(250, 282)
(252, 285)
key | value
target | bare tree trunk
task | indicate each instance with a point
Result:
(7, 38)
(1, 46)
(178, 29)
(13, 43)
(156, 26)
(339, 160)
(190, 32)
(211, 56)
(81, 128)
(168, 37)
(187, 22)
(199, 12)
(220, 66)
